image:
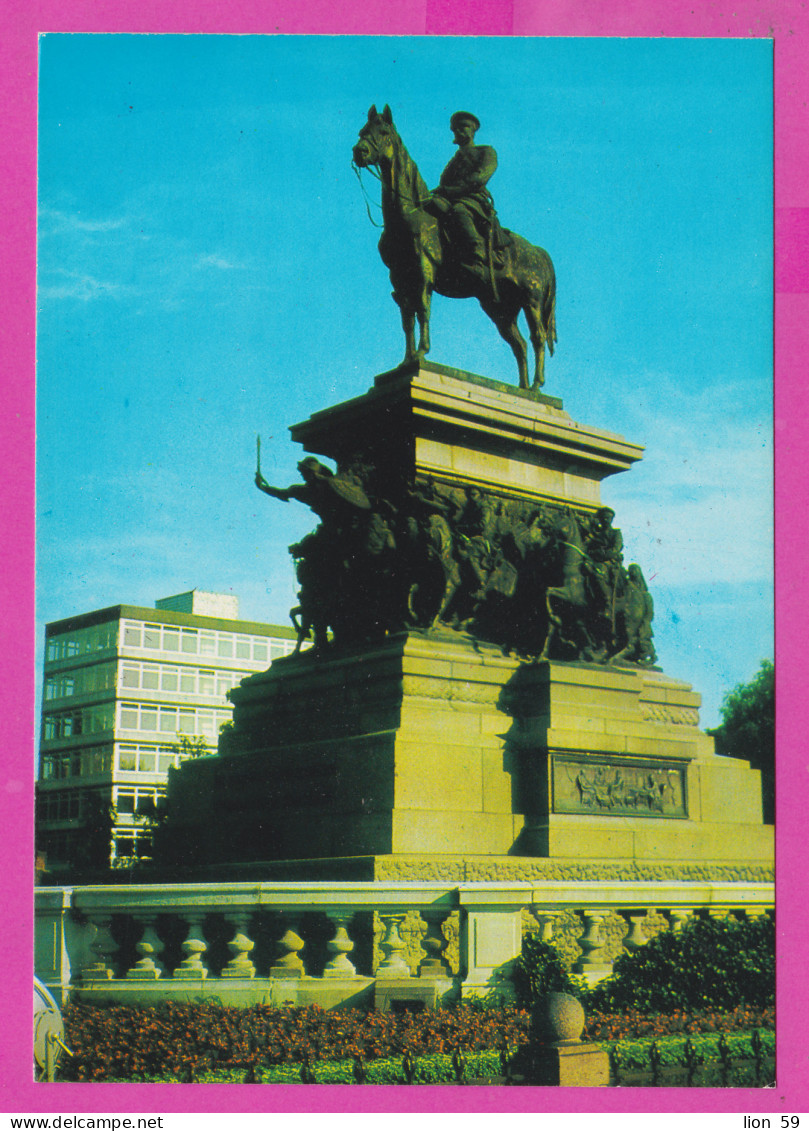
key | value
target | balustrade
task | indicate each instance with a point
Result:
(393, 964)
(149, 947)
(290, 964)
(240, 946)
(194, 945)
(241, 939)
(634, 939)
(340, 966)
(102, 947)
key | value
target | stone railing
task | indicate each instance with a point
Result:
(342, 943)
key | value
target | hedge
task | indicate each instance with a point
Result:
(710, 964)
(182, 1041)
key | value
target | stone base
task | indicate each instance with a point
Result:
(348, 993)
(575, 1065)
(424, 992)
(460, 869)
(447, 758)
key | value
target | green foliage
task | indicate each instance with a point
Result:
(715, 1060)
(672, 1050)
(184, 1043)
(193, 745)
(748, 728)
(436, 1069)
(710, 964)
(112, 1042)
(99, 818)
(540, 970)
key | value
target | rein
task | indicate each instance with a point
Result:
(366, 198)
(394, 192)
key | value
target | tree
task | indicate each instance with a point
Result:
(191, 746)
(747, 729)
(94, 842)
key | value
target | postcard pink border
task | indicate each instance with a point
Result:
(784, 22)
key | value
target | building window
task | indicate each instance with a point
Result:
(150, 679)
(129, 716)
(168, 679)
(125, 800)
(148, 717)
(70, 724)
(190, 640)
(171, 639)
(139, 758)
(128, 758)
(130, 675)
(151, 637)
(99, 677)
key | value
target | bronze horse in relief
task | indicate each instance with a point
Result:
(420, 262)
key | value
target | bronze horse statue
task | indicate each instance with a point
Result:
(420, 261)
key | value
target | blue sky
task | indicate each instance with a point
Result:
(207, 271)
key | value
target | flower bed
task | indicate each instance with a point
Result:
(631, 1023)
(184, 1042)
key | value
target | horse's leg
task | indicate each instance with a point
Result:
(408, 313)
(537, 331)
(423, 315)
(423, 301)
(554, 620)
(506, 322)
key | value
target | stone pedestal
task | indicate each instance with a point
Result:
(574, 1065)
(430, 747)
(459, 427)
(422, 746)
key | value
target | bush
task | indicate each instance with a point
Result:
(188, 1040)
(630, 1024)
(213, 1043)
(540, 970)
(710, 964)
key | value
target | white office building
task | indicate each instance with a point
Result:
(129, 692)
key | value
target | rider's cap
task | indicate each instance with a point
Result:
(312, 464)
(463, 116)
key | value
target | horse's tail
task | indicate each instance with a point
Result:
(549, 318)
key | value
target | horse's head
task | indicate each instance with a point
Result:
(377, 139)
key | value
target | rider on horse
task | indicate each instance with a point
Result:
(462, 202)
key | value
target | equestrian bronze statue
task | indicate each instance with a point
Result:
(450, 241)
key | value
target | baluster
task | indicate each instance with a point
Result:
(593, 963)
(434, 965)
(678, 917)
(451, 930)
(635, 938)
(149, 947)
(290, 964)
(393, 964)
(753, 913)
(340, 946)
(195, 945)
(240, 946)
(102, 947)
(547, 923)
